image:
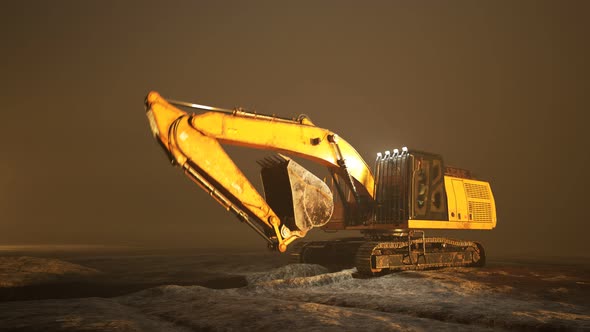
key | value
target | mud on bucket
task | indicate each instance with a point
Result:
(298, 197)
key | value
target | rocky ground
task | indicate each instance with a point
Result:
(134, 290)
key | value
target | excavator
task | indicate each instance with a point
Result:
(391, 206)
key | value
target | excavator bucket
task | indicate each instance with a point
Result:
(298, 197)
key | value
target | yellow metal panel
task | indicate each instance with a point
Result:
(161, 116)
(461, 213)
(303, 140)
(481, 203)
(442, 224)
(211, 159)
(451, 201)
(472, 199)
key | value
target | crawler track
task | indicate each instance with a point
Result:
(380, 257)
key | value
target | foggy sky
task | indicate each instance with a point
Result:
(498, 88)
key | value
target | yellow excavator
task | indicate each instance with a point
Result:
(407, 193)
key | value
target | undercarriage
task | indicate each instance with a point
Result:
(377, 254)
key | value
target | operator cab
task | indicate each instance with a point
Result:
(409, 185)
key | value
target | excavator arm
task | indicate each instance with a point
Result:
(193, 142)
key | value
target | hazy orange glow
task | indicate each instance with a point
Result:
(499, 88)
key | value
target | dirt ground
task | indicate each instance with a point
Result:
(123, 289)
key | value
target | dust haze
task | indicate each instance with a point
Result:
(498, 88)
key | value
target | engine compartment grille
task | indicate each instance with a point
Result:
(476, 191)
(480, 211)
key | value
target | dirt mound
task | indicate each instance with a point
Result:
(25, 271)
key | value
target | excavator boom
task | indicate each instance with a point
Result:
(411, 191)
(193, 141)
